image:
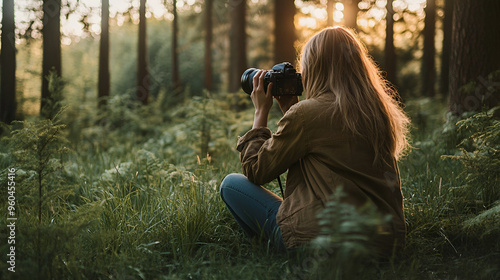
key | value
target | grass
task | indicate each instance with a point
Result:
(145, 205)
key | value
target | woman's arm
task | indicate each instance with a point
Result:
(286, 102)
(264, 156)
(262, 100)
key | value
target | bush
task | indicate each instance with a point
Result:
(480, 156)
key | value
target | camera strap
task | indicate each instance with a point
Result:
(281, 187)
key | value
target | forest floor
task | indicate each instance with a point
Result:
(126, 195)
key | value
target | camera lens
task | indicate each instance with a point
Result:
(247, 80)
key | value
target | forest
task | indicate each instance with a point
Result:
(119, 120)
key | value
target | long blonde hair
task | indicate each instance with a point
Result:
(335, 61)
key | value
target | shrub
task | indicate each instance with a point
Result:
(480, 156)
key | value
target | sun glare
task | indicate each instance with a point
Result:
(338, 16)
(315, 15)
(308, 22)
(312, 16)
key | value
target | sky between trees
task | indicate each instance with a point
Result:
(72, 26)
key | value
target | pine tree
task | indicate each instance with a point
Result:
(143, 77)
(51, 51)
(237, 43)
(8, 102)
(475, 45)
(103, 87)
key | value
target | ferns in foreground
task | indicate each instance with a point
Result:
(344, 242)
(480, 157)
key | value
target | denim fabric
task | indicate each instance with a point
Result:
(253, 207)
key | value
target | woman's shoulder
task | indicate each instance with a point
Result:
(311, 104)
(314, 107)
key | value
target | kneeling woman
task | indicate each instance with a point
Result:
(349, 132)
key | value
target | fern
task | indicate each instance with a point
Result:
(347, 228)
(488, 222)
(345, 238)
(480, 156)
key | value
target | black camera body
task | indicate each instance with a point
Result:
(286, 81)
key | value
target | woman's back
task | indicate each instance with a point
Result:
(329, 158)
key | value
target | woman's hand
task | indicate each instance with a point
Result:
(286, 101)
(262, 100)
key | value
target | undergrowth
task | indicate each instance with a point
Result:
(131, 192)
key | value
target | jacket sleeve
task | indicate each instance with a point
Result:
(264, 156)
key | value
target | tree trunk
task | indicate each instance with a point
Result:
(330, 4)
(104, 83)
(51, 60)
(284, 31)
(351, 10)
(8, 102)
(208, 44)
(428, 60)
(390, 51)
(475, 45)
(238, 42)
(175, 51)
(445, 54)
(143, 78)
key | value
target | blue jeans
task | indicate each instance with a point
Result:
(253, 207)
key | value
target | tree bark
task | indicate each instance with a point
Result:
(330, 4)
(390, 51)
(208, 44)
(51, 60)
(351, 10)
(143, 77)
(475, 45)
(8, 102)
(175, 51)
(428, 60)
(284, 31)
(104, 76)
(238, 42)
(445, 53)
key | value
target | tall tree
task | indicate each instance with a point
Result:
(284, 31)
(51, 60)
(175, 50)
(103, 87)
(428, 60)
(237, 43)
(330, 4)
(143, 78)
(390, 51)
(445, 53)
(475, 45)
(351, 10)
(8, 103)
(208, 44)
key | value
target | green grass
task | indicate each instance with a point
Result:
(145, 205)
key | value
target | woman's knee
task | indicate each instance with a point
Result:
(231, 180)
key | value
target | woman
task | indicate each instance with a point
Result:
(349, 132)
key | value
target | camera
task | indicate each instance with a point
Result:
(286, 81)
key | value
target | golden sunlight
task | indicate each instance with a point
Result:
(315, 15)
(72, 27)
(308, 22)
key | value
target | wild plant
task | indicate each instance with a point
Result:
(343, 243)
(39, 148)
(53, 103)
(480, 157)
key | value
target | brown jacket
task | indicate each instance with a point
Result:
(320, 158)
